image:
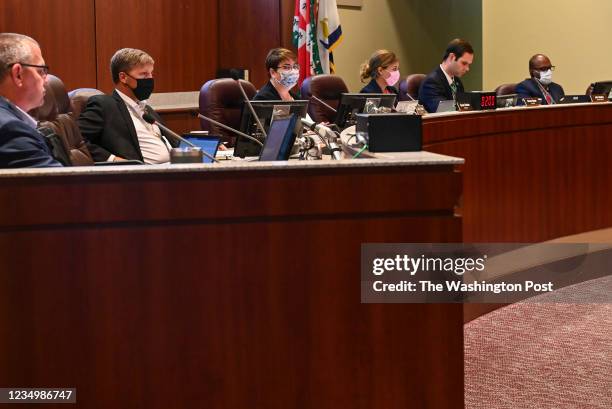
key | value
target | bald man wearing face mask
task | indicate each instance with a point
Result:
(540, 85)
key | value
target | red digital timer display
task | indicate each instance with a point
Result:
(487, 101)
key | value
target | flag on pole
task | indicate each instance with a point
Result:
(329, 34)
(305, 38)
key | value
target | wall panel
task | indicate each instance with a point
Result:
(573, 34)
(65, 31)
(181, 37)
(247, 30)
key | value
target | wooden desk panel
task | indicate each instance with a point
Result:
(224, 290)
(530, 175)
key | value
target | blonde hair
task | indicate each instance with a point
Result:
(380, 58)
(126, 59)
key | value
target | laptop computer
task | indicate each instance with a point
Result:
(208, 144)
(447, 105)
(281, 137)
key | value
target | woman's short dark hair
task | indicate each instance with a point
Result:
(276, 56)
(458, 47)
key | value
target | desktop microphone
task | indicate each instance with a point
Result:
(151, 120)
(323, 103)
(235, 76)
(323, 132)
(249, 137)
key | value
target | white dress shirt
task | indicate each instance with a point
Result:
(153, 145)
(448, 77)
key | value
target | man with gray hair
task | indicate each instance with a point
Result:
(23, 75)
(113, 125)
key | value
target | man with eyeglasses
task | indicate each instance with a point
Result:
(23, 75)
(540, 85)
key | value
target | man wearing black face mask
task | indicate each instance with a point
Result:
(113, 126)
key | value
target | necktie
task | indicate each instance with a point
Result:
(548, 98)
(453, 86)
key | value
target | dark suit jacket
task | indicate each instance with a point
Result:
(529, 89)
(21, 146)
(108, 128)
(372, 87)
(269, 93)
(435, 88)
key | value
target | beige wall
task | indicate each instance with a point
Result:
(574, 33)
(416, 30)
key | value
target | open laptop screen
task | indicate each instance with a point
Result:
(208, 144)
(281, 137)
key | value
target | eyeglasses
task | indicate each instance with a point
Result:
(542, 69)
(43, 70)
(289, 67)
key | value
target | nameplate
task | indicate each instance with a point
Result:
(407, 107)
(465, 107)
(599, 98)
(532, 102)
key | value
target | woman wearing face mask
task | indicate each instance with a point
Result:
(382, 69)
(284, 74)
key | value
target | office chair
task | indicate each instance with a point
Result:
(410, 85)
(328, 88)
(222, 100)
(55, 114)
(78, 99)
(506, 89)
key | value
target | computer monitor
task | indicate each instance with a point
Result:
(351, 104)
(281, 137)
(603, 87)
(506, 101)
(208, 144)
(265, 110)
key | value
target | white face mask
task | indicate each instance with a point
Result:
(546, 77)
(288, 79)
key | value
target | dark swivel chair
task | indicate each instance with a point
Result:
(506, 89)
(222, 100)
(55, 114)
(410, 86)
(328, 88)
(78, 99)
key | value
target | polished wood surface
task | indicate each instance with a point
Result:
(180, 121)
(247, 31)
(65, 31)
(189, 39)
(180, 36)
(530, 174)
(287, 11)
(224, 289)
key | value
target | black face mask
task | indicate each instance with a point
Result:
(144, 87)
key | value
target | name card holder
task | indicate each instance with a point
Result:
(464, 107)
(599, 98)
(532, 102)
